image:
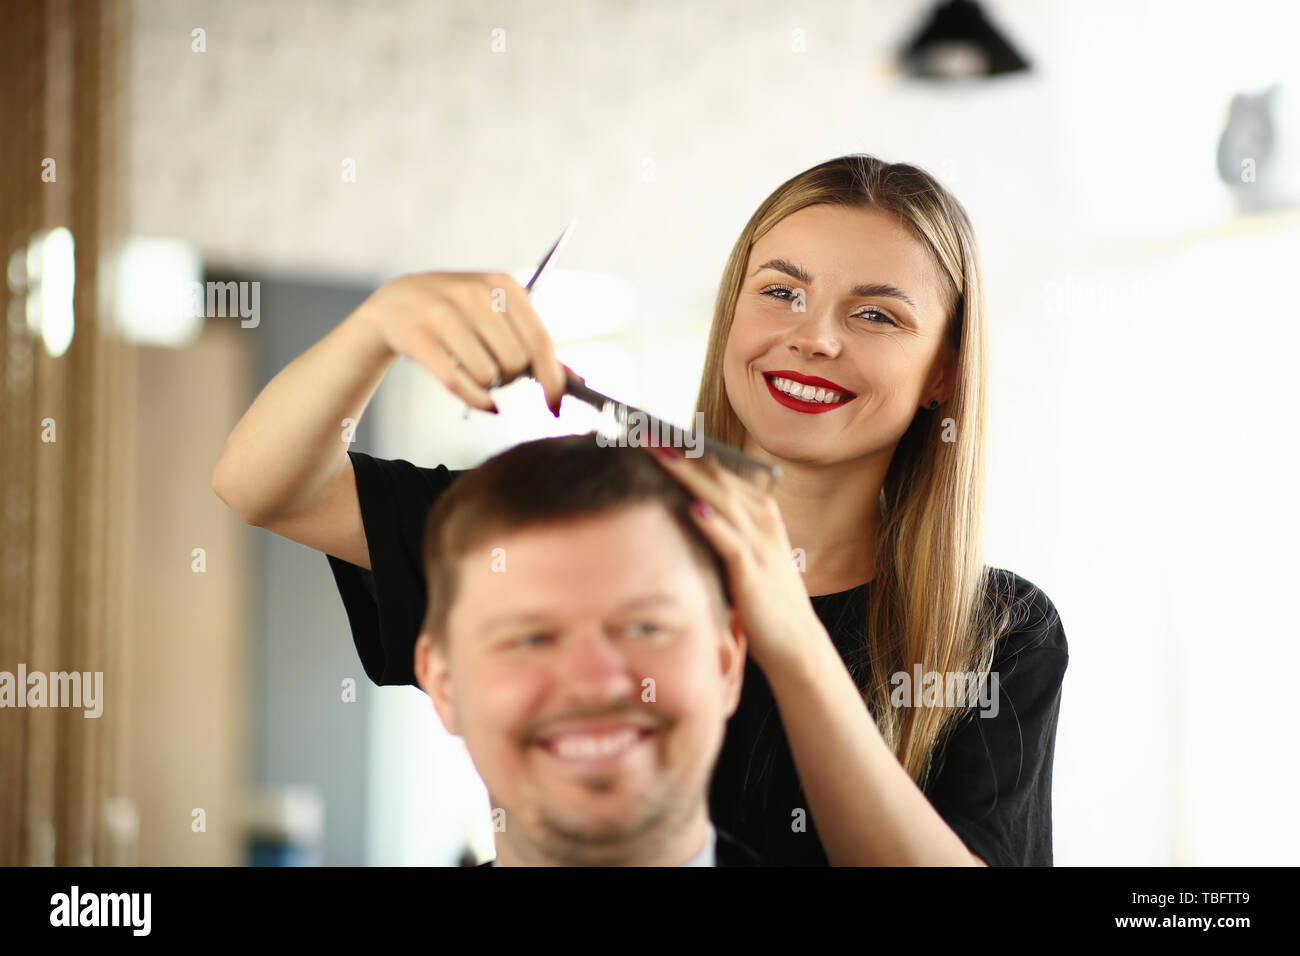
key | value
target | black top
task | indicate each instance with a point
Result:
(994, 787)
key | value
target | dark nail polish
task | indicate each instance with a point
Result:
(494, 410)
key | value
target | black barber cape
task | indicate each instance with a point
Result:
(994, 787)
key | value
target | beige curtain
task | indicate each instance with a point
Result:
(62, 575)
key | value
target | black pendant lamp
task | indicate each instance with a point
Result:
(959, 42)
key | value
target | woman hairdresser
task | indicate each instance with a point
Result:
(848, 346)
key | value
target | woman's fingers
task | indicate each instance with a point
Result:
(704, 480)
(490, 320)
(455, 327)
(715, 474)
(743, 504)
(724, 537)
(472, 331)
(423, 347)
(535, 342)
(762, 507)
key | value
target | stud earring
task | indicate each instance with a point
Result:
(934, 403)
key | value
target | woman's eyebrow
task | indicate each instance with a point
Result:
(865, 289)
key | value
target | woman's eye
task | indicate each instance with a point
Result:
(883, 320)
(530, 640)
(876, 316)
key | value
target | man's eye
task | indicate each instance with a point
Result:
(644, 629)
(531, 640)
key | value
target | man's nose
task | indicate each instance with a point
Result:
(593, 664)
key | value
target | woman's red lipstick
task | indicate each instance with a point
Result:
(798, 404)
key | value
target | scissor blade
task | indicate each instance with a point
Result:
(554, 249)
(541, 267)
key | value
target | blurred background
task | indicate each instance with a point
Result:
(1131, 169)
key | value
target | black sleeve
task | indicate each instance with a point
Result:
(994, 786)
(385, 605)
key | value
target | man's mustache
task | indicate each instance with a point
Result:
(632, 712)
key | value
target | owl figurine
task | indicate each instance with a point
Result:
(1256, 151)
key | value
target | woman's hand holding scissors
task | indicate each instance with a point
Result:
(473, 331)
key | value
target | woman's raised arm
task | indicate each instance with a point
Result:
(285, 465)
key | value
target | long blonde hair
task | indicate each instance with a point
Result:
(932, 602)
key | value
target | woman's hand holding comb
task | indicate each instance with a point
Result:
(745, 527)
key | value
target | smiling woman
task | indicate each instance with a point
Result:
(855, 379)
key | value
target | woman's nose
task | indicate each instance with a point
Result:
(814, 334)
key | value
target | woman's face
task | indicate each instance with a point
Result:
(842, 306)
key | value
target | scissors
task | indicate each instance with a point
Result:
(730, 458)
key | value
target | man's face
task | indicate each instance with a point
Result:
(590, 674)
(876, 357)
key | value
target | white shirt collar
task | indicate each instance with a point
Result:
(708, 855)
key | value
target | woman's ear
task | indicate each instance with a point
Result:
(943, 381)
(434, 678)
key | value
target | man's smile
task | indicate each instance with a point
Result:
(595, 748)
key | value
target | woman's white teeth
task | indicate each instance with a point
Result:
(594, 746)
(807, 393)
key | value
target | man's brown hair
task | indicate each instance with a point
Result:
(548, 481)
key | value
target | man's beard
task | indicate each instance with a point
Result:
(571, 844)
